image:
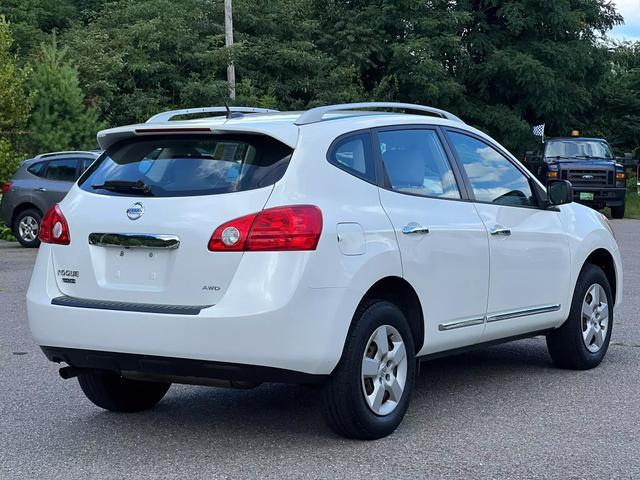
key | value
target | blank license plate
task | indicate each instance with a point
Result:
(586, 196)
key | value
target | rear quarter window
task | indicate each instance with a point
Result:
(352, 154)
(189, 165)
(37, 169)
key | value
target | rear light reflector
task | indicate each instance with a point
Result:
(54, 228)
(6, 187)
(295, 227)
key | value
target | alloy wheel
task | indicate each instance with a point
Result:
(595, 318)
(28, 228)
(384, 370)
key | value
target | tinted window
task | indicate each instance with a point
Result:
(190, 165)
(416, 163)
(38, 168)
(493, 178)
(86, 162)
(62, 170)
(352, 154)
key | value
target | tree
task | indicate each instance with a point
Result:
(14, 103)
(529, 61)
(60, 120)
(617, 116)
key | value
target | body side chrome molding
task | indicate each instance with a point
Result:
(134, 240)
(443, 327)
(523, 313)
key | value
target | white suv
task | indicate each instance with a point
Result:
(336, 246)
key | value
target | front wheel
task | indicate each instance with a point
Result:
(582, 341)
(117, 394)
(617, 212)
(368, 393)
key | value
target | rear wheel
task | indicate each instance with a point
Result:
(117, 394)
(27, 226)
(368, 393)
(617, 212)
(582, 341)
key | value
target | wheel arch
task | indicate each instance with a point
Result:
(398, 291)
(602, 258)
(21, 208)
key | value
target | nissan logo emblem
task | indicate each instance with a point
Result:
(135, 211)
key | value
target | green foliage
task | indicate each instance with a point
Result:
(502, 65)
(9, 160)
(138, 58)
(14, 103)
(5, 233)
(60, 120)
(34, 20)
(528, 62)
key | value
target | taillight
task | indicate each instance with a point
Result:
(296, 227)
(54, 228)
(6, 187)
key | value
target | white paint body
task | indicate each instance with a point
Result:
(292, 310)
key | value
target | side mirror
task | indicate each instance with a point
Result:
(559, 192)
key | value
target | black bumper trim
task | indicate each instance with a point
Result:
(176, 367)
(66, 301)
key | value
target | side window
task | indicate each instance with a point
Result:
(86, 162)
(416, 163)
(493, 178)
(37, 169)
(353, 155)
(62, 170)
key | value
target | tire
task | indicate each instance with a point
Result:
(567, 345)
(345, 408)
(117, 394)
(617, 212)
(27, 226)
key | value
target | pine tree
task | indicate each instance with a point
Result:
(14, 103)
(60, 120)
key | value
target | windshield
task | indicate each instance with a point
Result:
(186, 166)
(598, 149)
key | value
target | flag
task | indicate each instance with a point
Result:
(538, 130)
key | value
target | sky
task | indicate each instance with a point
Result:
(630, 10)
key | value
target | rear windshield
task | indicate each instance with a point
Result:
(187, 166)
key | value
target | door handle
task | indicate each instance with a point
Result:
(413, 228)
(41, 189)
(500, 230)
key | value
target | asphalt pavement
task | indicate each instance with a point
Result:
(502, 412)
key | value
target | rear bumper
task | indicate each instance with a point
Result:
(156, 366)
(298, 328)
(604, 197)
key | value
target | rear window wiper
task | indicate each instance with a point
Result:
(124, 186)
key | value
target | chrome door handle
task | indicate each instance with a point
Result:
(500, 230)
(414, 228)
(41, 189)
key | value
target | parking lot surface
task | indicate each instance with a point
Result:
(500, 412)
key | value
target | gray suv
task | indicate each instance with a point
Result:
(38, 184)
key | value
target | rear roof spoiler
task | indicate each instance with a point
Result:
(167, 116)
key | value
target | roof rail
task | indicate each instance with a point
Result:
(68, 152)
(166, 116)
(315, 115)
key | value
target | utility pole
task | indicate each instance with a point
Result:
(228, 37)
